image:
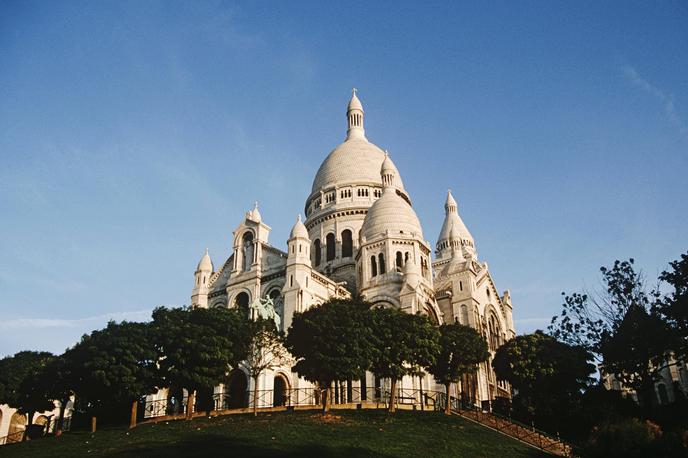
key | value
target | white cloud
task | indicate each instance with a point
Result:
(667, 100)
(40, 323)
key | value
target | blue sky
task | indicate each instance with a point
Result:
(133, 135)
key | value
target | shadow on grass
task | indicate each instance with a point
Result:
(217, 445)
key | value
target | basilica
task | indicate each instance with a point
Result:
(361, 235)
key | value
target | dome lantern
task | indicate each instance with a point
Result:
(354, 116)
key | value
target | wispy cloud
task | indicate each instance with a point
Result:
(40, 323)
(667, 100)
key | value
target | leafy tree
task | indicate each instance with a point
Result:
(635, 352)
(674, 306)
(20, 383)
(114, 366)
(461, 349)
(586, 318)
(14, 369)
(265, 352)
(198, 346)
(332, 341)
(548, 375)
(403, 343)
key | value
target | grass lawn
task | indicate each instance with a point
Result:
(304, 434)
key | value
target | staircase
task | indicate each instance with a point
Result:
(530, 436)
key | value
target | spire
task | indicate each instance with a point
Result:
(299, 230)
(354, 116)
(454, 235)
(205, 264)
(450, 205)
(254, 214)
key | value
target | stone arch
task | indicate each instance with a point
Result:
(236, 388)
(247, 250)
(330, 247)
(347, 243)
(17, 428)
(317, 253)
(280, 393)
(242, 300)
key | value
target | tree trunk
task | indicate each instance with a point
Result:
(420, 384)
(93, 424)
(132, 419)
(326, 400)
(190, 404)
(255, 396)
(447, 408)
(393, 396)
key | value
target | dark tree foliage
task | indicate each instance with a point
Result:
(549, 376)
(635, 352)
(15, 369)
(112, 367)
(674, 306)
(21, 383)
(403, 344)
(198, 346)
(461, 349)
(331, 342)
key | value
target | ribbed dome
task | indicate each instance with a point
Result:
(299, 230)
(356, 161)
(390, 212)
(205, 264)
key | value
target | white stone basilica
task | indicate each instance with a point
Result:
(361, 235)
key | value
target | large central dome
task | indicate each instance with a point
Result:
(356, 161)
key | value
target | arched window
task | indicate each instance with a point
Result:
(247, 250)
(241, 302)
(347, 244)
(381, 259)
(373, 266)
(400, 261)
(317, 252)
(330, 247)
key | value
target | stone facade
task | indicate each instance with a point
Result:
(361, 235)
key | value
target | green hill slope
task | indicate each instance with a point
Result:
(302, 434)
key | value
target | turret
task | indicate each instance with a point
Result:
(354, 116)
(299, 245)
(199, 294)
(454, 240)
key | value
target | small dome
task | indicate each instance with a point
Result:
(389, 170)
(205, 264)
(453, 227)
(391, 213)
(354, 103)
(299, 230)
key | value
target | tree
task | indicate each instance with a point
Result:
(114, 366)
(403, 343)
(461, 349)
(673, 307)
(635, 352)
(265, 352)
(330, 342)
(587, 317)
(548, 375)
(197, 347)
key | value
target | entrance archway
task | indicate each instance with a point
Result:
(237, 386)
(17, 427)
(281, 385)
